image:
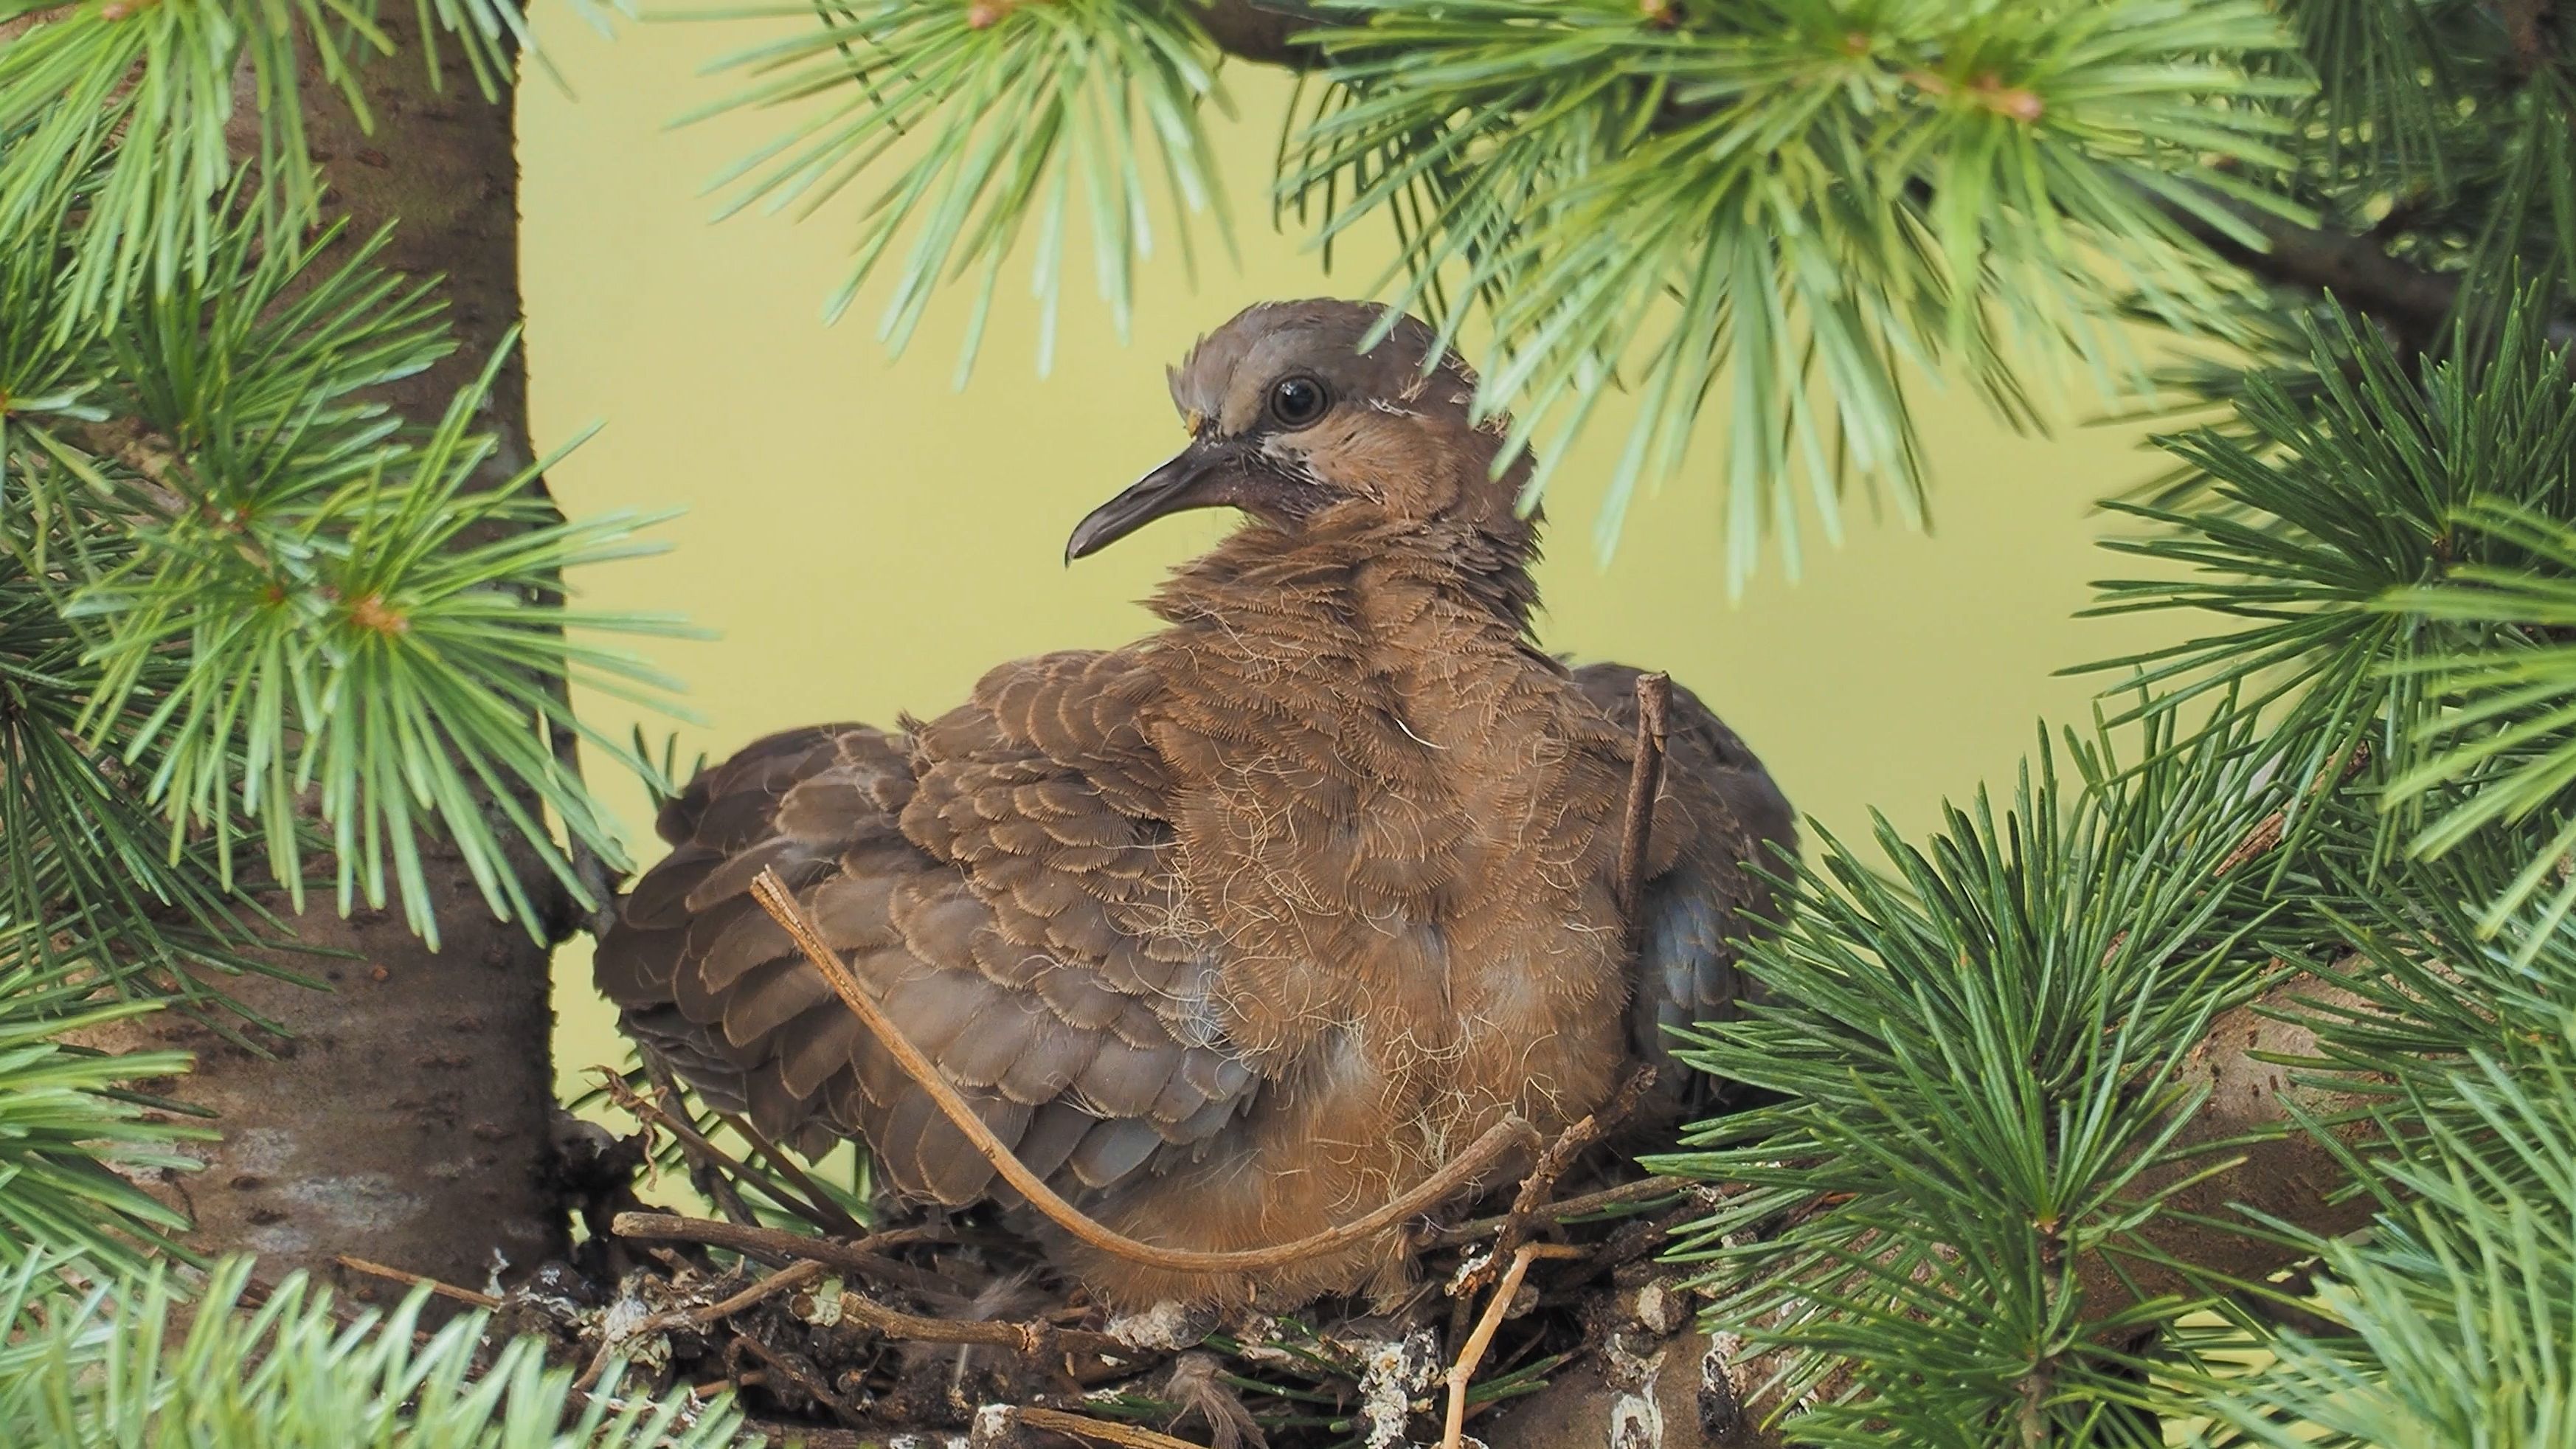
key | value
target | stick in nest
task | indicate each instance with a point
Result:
(769, 1244)
(1029, 1339)
(418, 1280)
(1531, 1201)
(1499, 1140)
(1626, 1194)
(1645, 783)
(1464, 1370)
(1083, 1426)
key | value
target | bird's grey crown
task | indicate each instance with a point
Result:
(1222, 379)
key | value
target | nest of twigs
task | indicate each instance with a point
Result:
(952, 1329)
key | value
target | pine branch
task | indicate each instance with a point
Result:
(1265, 32)
(2416, 303)
(86, 1363)
(2022, 1085)
(2383, 558)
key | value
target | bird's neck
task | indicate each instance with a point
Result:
(1375, 577)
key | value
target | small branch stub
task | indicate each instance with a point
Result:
(1645, 784)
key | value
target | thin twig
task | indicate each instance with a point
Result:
(418, 1280)
(1030, 1339)
(1644, 1189)
(697, 1152)
(829, 1216)
(1126, 1436)
(1492, 1319)
(752, 1240)
(1645, 783)
(1540, 1184)
(776, 1283)
(1501, 1139)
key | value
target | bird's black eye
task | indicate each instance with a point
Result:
(1298, 401)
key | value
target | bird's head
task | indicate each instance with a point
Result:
(1291, 422)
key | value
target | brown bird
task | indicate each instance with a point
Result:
(1239, 931)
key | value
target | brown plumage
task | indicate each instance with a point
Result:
(1237, 931)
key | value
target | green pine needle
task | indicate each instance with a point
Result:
(998, 107)
(387, 644)
(128, 1360)
(2384, 554)
(71, 1132)
(2459, 1304)
(1975, 1062)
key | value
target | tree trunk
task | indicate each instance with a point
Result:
(405, 1117)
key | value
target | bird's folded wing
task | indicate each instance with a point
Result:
(1718, 813)
(998, 881)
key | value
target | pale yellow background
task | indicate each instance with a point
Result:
(867, 539)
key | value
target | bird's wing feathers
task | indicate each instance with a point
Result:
(1718, 811)
(999, 882)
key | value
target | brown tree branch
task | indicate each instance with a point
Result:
(2356, 270)
(772, 1245)
(419, 1280)
(1643, 1190)
(1263, 31)
(1031, 1340)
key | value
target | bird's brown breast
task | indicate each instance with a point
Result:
(1389, 826)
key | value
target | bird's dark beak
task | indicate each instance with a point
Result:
(1203, 475)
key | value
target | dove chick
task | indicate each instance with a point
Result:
(1242, 929)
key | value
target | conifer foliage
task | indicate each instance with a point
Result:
(2004, 1167)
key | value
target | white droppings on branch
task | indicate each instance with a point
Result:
(1659, 1308)
(1636, 1422)
(1392, 1374)
(1471, 1269)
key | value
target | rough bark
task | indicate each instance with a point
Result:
(2286, 1174)
(1657, 1380)
(405, 1116)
